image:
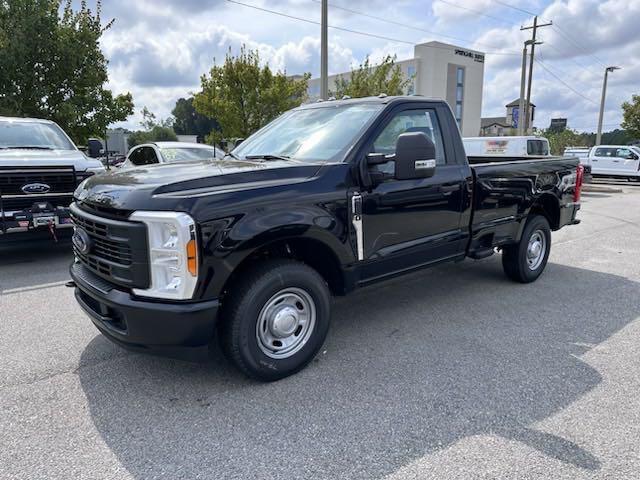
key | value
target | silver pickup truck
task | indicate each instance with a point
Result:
(40, 167)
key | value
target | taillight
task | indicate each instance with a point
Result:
(579, 180)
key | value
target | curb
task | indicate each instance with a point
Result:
(590, 187)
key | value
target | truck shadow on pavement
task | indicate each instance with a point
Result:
(410, 367)
(33, 263)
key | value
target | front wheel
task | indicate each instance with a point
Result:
(275, 319)
(525, 261)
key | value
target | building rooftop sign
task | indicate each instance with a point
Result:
(477, 57)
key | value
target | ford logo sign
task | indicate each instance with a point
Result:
(82, 241)
(35, 188)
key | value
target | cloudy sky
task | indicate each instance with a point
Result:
(158, 49)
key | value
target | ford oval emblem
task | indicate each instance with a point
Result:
(82, 241)
(36, 188)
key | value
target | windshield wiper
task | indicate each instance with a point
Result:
(268, 157)
(27, 147)
(232, 155)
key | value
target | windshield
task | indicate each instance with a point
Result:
(311, 134)
(172, 155)
(33, 135)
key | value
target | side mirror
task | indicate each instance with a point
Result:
(415, 156)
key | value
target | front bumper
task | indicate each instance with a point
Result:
(142, 324)
(32, 220)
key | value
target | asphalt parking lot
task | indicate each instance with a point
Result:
(449, 373)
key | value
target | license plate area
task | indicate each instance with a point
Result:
(44, 220)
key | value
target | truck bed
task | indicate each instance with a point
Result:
(505, 190)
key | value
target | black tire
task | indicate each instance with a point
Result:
(242, 308)
(515, 258)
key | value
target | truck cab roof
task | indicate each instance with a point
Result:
(380, 99)
(25, 120)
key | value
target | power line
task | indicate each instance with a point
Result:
(348, 30)
(508, 5)
(306, 20)
(556, 28)
(412, 27)
(553, 47)
(564, 83)
(477, 12)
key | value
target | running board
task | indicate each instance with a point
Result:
(480, 254)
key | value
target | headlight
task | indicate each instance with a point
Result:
(173, 254)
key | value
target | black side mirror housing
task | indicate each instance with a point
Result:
(415, 156)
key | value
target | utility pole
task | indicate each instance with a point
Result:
(535, 28)
(604, 95)
(324, 51)
(522, 110)
(523, 80)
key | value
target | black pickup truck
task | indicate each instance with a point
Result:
(327, 198)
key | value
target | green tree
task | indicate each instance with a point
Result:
(243, 96)
(154, 130)
(156, 134)
(187, 121)
(369, 80)
(631, 116)
(560, 140)
(51, 66)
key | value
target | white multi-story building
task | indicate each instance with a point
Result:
(439, 70)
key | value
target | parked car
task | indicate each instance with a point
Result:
(520, 147)
(621, 161)
(327, 198)
(170, 152)
(40, 167)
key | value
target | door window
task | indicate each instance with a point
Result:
(605, 152)
(143, 156)
(421, 120)
(625, 153)
(136, 157)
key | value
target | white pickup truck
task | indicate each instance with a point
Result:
(40, 168)
(621, 161)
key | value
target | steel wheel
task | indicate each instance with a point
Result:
(286, 323)
(536, 250)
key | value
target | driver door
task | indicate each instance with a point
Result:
(410, 223)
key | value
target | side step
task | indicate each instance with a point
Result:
(480, 254)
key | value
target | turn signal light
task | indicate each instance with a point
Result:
(192, 258)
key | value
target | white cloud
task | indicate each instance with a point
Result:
(158, 49)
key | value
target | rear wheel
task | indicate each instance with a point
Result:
(275, 319)
(525, 261)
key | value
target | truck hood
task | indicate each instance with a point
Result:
(48, 158)
(176, 185)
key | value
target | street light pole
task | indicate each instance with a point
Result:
(602, 101)
(324, 51)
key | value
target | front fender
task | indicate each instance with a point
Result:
(228, 243)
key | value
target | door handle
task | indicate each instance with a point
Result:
(616, 161)
(448, 190)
